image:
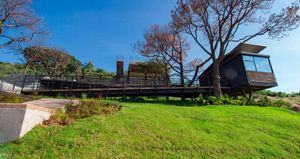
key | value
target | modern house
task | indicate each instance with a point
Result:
(243, 70)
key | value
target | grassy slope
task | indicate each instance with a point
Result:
(156, 131)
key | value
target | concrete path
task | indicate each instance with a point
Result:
(51, 103)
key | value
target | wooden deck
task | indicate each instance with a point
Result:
(131, 91)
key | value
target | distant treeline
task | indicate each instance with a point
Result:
(278, 94)
(88, 69)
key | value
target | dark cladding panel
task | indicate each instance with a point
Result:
(233, 73)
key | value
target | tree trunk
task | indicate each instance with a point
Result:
(216, 79)
(182, 84)
(26, 68)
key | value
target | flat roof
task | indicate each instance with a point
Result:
(249, 48)
(242, 48)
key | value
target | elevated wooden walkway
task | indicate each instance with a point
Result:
(130, 91)
(95, 87)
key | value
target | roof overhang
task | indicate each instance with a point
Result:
(249, 48)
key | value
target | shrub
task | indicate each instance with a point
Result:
(241, 100)
(212, 100)
(84, 109)
(59, 118)
(281, 103)
(11, 98)
(202, 100)
(136, 99)
(88, 108)
(83, 95)
(264, 101)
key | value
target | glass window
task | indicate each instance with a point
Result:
(250, 66)
(262, 64)
(258, 64)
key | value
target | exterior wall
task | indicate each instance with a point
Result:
(261, 78)
(233, 73)
(17, 119)
(11, 121)
(32, 118)
(9, 88)
(205, 80)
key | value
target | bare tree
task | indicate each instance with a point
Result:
(166, 46)
(214, 25)
(18, 23)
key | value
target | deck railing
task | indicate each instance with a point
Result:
(41, 82)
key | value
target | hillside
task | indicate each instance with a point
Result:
(168, 131)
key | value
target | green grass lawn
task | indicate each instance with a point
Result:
(168, 131)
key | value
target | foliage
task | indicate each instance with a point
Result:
(83, 95)
(7, 69)
(85, 109)
(224, 100)
(273, 94)
(12, 98)
(60, 118)
(227, 100)
(278, 94)
(150, 67)
(212, 100)
(90, 71)
(73, 67)
(281, 103)
(264, 101)
(143, 130)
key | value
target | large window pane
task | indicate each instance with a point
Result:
(262, 64)
(258, 64)
(248, 58)
(250, 66)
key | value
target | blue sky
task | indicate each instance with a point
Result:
(102, 30)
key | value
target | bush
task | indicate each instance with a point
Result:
(59, 118)
(11, 98)
(281, 103)
(83, 95)
(84, 109)
(88, 108)
(224, 100)
(202, 100)
(264, 101)
(212, 100)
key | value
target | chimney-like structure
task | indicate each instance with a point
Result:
(120, 70)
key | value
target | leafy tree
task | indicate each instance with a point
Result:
(7, 69)
(74, 67)
(52, 61)
(32, 57)
(88, 69)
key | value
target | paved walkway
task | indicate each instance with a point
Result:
(51, 103)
